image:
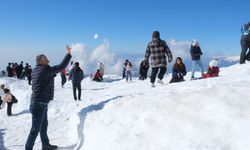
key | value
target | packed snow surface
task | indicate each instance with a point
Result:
(207, 114)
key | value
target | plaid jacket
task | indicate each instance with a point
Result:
(158, 51)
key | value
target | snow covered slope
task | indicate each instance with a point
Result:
(209, 114)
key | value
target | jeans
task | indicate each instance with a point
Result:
(39, 124)
(78, 87)
(244, 55)
(128, 74)
(195, 63)
(155, 72)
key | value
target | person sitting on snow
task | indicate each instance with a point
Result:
(213, 69)
(179, 71)
(98, 76)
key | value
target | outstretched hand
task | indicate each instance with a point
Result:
(68, 49)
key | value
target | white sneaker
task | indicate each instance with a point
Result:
(160, 81)
(152, 85)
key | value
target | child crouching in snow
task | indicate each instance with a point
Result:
(8, 98)
(213, 69)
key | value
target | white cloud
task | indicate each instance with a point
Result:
(179, 48)
(89, 58)
(96, 36)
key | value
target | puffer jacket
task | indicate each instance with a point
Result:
(42, 77)
(76, 75)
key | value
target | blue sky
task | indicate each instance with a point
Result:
(29, 27)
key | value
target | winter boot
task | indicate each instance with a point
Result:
(49, 147)
(160, 81)
(152, 85)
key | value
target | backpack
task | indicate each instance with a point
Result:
(245, 30)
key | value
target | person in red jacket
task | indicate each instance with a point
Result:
(213, 69)
(98, 76)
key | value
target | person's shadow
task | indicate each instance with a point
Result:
(82, 116)
(21, 113)
(1, 139)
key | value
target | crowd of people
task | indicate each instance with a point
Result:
(42, 77)
(19, 71)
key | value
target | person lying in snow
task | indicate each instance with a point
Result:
(213, 69)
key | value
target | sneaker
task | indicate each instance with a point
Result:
(152, 85)
(49, 147)
(160, 81)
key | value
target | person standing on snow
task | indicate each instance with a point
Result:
(42, 93)
(9, 70)
(63, 77)
(100, 67)
(28, 74)
(196, 53)
(245, 43)
(128, 67)
(158, 49)
(76, 75)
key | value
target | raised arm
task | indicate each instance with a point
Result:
(58, 68)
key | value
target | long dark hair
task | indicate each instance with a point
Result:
(178, 66)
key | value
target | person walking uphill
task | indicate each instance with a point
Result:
(157, 49)
(42, 93)
(245, 43)
(76, 75)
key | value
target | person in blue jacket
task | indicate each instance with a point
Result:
(42, 93)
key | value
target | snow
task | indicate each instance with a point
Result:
(209, 114)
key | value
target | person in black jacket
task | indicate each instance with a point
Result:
(42, 93)
(178, 71)
(28, 74)
(158, 50)
(9, 70)
(196, 53)
(143, 70)
(76, 75)
(245, 43)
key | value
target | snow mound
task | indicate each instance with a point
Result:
(209, 114)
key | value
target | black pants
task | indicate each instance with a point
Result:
(245, 51)
(63, 79)
(1, 102)
(9, 108)
(29, 79)
(155, 72)
(78, 87)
